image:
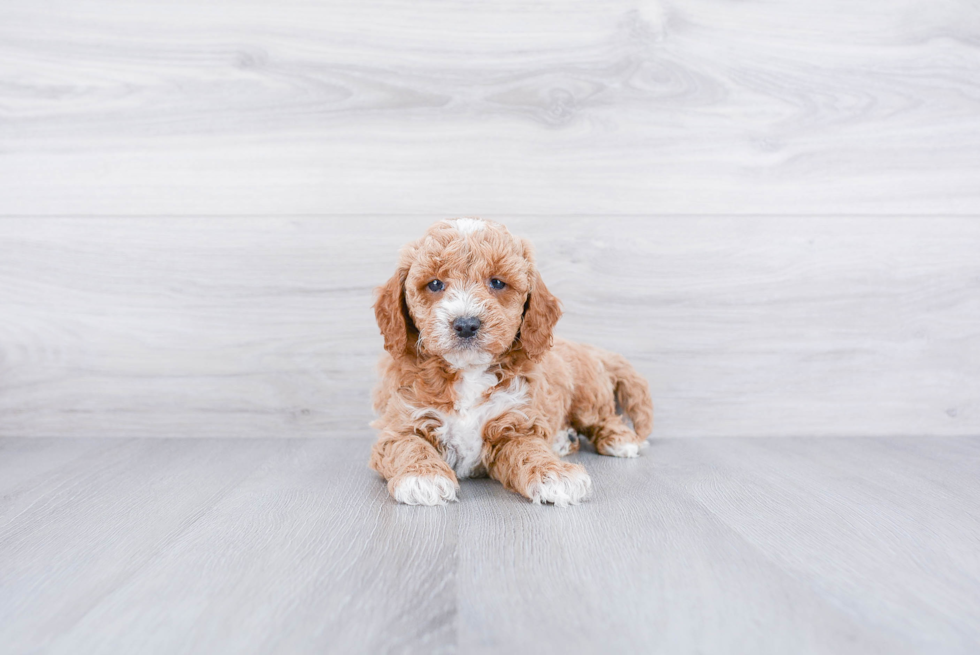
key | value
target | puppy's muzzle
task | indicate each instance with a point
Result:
(467, 327)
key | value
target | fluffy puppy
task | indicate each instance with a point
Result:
(473, 383)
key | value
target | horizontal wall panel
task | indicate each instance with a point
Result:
(422, 107)
(745, 326)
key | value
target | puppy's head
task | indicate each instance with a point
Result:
(468, 291)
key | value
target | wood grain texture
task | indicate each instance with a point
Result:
(292, 546)
(761, 546)
(748, 326)
(146, 516)
(427, 107)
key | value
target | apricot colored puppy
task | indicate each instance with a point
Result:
(473, 383)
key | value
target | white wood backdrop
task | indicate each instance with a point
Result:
(771, 207)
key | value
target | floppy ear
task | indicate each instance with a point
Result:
(391, 312)
(541, 311)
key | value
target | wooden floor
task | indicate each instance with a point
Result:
(292, 546)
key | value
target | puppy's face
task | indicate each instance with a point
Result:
(467, 291)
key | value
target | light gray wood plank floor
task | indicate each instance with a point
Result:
(703, 545)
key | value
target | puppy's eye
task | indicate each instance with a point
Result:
(435, 286)
(498, 284)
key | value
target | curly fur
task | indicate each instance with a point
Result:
(504, 402)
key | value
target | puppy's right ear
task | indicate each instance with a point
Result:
(391, 312)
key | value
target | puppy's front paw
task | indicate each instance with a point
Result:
(423, 490)
(567, 485)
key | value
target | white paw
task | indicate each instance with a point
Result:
(562, 489)
(425, 490)
(623, 449)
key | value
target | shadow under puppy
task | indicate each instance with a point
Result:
(474, 384)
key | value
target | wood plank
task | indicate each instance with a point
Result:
(907, 562)
(250, 546)
(398, 106)
(734, 545)
(24, 463)
(292, 546)
(745, 326)
(81, 531)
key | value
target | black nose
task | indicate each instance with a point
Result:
(466, 327)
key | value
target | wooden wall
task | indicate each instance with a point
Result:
(771, 207)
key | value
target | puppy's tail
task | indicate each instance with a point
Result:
(632, 392)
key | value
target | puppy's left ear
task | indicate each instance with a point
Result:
(541, 312)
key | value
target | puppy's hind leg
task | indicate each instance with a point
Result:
(616, 385)
(613, 437)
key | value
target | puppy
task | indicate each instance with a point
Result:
(474, 384)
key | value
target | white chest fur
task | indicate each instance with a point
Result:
(461, 432)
